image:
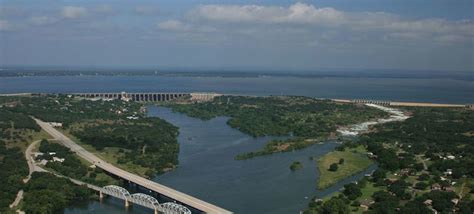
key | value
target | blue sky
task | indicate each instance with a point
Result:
(279, 35)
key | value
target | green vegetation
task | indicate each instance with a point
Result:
(296, 165)
(121, 129)
(13, 168)
(16, 130)
(46, 193)
(308, 120)
(150, 142)
(332, 169)
(426, 163)
(73, 166)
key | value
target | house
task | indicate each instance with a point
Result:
(435, 186)
(56, 159)
(404, 172)
(448, 172)
(428, 202)
(455, 201)
(55, 124)
(366, 203)
(37, 154)
(451, 157)
(448, 189)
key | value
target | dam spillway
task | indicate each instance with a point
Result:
(148, 96)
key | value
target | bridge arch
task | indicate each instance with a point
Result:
(176, 208)
(144, 200)
(117, 191)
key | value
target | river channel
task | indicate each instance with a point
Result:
(207, 170)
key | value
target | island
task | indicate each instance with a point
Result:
(296, 165)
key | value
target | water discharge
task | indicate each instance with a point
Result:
(356, 129)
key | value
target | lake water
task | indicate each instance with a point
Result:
(442, 90)
(207, 169)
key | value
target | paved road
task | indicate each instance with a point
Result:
(171, 193)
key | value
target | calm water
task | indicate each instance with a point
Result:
(401, 89)
(208, 170)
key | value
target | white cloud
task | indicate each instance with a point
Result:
(72, 12)
(4, 25)
(296, 13)
(309, 15)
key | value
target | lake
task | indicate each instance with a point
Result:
(440, 90)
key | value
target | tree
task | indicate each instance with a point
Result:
(333, 167)
(352, 191)
(415, 207)
(379, 174)
(421, 185)
(341, 161)
(335, 206)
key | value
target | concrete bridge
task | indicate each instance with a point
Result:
(143, 200)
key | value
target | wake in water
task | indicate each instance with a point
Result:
(356, 129)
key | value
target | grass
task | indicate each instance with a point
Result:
(109, 154)
(26, 137)
(355, 160)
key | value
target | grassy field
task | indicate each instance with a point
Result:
(109, 154)
(355, 160)
(27, 137)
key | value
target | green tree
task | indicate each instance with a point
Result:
(335, 206)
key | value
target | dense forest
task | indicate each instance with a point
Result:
(306, 120)
(426, 165)
(13, 166)
(46, 193)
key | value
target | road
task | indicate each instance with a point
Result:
(31, 167)
(161, 189)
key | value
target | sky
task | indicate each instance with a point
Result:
(314, 35)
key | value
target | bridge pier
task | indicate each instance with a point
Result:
(127, 203)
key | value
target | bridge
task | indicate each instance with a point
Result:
(143, 200)
(148, 96)
(143, 182)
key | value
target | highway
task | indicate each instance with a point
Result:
(161, 189)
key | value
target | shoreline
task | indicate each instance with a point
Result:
(354, 101)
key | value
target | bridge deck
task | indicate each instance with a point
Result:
(161, 189)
